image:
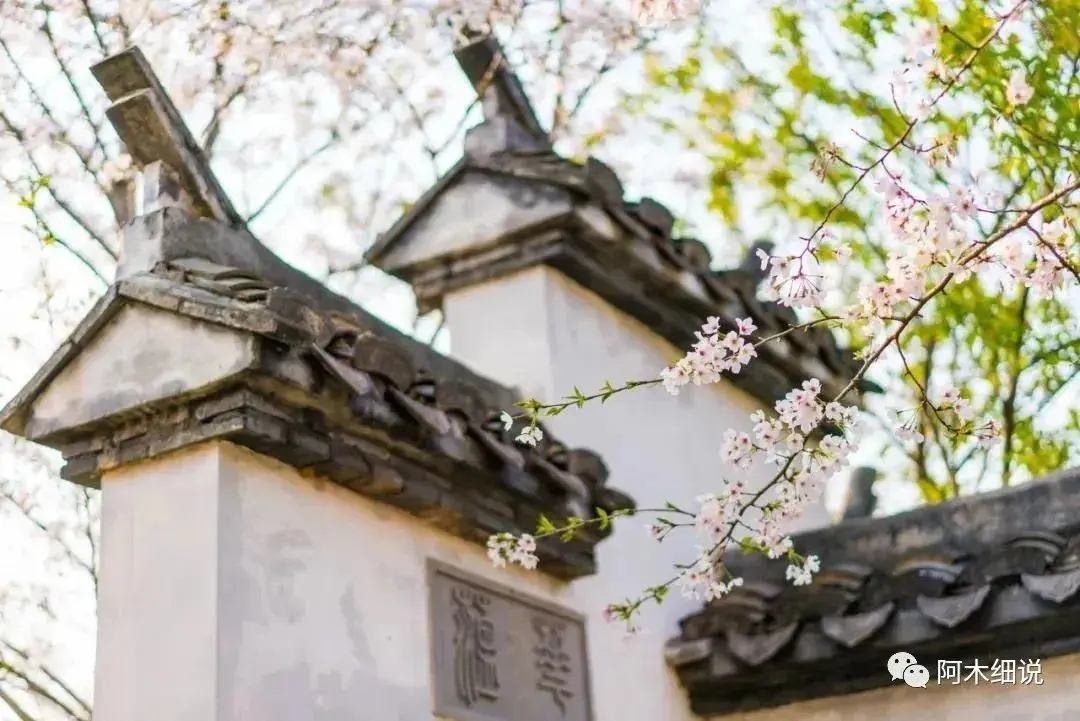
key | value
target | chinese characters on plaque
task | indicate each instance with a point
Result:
(501, 656)
(552, 661)
(475, 674)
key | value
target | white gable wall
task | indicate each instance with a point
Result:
(545, 334)
(474, 212)
(142, 355)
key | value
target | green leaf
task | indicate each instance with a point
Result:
(544, 527)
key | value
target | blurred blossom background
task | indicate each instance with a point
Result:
(325, 120)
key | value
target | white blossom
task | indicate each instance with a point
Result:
(803, 575)
(989, 434)
(713, 355)
(530, 435)
(505, 547)
(921, 41)
(655, 12)
(1017, 91)
(909, 433)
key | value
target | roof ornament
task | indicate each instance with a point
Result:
(510, 122)
(154, 133)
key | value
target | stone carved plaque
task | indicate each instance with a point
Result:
(500, 656)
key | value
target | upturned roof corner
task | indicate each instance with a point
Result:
(498, 87)
(152, 130)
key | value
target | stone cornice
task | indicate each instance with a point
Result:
(573, 217)
(471, 502)
(990, 577)
(207, 335)
(338, 402)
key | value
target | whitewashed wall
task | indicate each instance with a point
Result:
(234, 589)
(545, 334)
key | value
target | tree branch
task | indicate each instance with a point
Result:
(20, 136)
(46, 28)
(40, 691)
(1009, 405)
(15, 707)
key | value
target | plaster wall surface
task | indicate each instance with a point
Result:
(476, 211)
(1056, 699)
(142, 355)
(158, 591)
(547, 335)
(236, 589)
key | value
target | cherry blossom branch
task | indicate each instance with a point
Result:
(43, 230)
(505, 547)
(1062, 261)
(534, 409)
(976, 49)
(65, 70)
(77, 217)
(47, 111)
(801, 568)
(14, 706)
(91, 541)
(800, 415)
(95, 27)
(971, 256)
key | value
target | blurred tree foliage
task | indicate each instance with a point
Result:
(772, 127)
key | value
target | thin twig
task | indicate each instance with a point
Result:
(55, 678)
(334, 138)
